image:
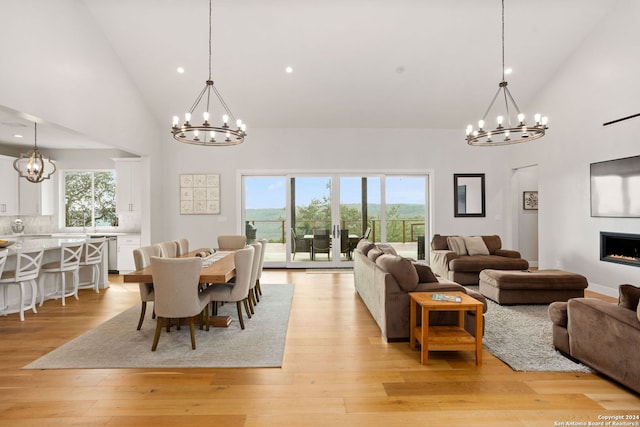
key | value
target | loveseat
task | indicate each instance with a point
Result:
(603, 335)
(383, 280)
(462, 258)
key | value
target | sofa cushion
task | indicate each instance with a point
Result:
(425, 275)
(386, 249)
(493, 243)
(439, 243)
(557, 313)
(401, 269)
(483, 262)
(629, 296)
(364, 246)
(374, 253)
(475, 245)
(456, 244)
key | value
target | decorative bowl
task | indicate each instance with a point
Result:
(5, 243)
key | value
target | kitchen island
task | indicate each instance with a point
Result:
(51, 247)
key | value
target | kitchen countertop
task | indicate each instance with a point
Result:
(46, 243)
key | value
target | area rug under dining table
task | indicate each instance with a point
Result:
(117, 344)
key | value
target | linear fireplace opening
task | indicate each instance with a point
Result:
(620, 248)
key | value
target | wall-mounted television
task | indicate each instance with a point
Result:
(615, 188)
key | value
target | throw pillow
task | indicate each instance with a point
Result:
(475, 245)
(629, 296)
(401, 269)
(457, 245)
(374, 253)
(364, 246)
(387, 249)
(425, 275)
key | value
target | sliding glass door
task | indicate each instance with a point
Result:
(316, 220)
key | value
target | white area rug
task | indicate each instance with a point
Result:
(521, 336)
(117, 344)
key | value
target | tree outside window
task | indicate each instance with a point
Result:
(90, 199)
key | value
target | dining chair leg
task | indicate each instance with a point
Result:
(143, 310)
(256, 294)
(239, 305)
(156, 337)
(193, 333)
(247, 303)
(251, 299)
(258, 287)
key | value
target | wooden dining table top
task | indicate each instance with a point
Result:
(220, 271)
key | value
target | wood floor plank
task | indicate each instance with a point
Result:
(337, 370)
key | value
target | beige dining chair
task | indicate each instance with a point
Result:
(69, 262)
(263, 242)
(183, 246)
(142, 258)
(28, 263)
(177, 294)
(232, 241)
(255, 265)
(169, 249)
(92, 258)
(238, 291)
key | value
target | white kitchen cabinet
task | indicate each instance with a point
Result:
(36, 198)
(126, 245)
(8, 187)
(128, 186)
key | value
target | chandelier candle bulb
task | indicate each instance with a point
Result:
(537, 119)
(187, 118)
(500, 119)
(480, 124)
(176, 120)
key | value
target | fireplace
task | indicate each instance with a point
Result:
(620, 248)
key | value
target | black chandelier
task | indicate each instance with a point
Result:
(33, 166)
(230, 132)
(509, 130)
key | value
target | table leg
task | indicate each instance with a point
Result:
(424, 331)
(412, 324)
(479, 321)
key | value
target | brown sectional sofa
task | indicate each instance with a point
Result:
(383, 280)
(600, 334)
(464, 268)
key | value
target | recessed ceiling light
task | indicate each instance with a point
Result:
(508, 71)
(17, 136)
(289, 70)
(180, 70)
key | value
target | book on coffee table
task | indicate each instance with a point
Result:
(444, 297)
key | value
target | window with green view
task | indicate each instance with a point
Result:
(90, 199)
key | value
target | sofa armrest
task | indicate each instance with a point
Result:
(439, 261)
(478, 296)
(509, 253)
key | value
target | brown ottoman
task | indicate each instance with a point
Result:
(531, 287)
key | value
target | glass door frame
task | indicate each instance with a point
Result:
(335, 176)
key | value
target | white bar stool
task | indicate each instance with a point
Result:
(28, 262)
(70, 254)
(92, 257)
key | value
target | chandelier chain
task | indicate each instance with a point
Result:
(502, 40)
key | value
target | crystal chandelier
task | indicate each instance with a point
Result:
(512, 127)
(33, 166)
(230, 132)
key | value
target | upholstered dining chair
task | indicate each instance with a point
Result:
(169, 249)
(176, 284)
(69, 262)
(28, 263)
(255, 265)
(142, 258)
(238, 291)
(183, 246)
(91, 258)
(232, 241)
(263, 242)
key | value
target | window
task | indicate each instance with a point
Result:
(90, 199)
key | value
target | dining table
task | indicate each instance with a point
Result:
(218, 267)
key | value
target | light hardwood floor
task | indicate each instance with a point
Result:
(337, 371)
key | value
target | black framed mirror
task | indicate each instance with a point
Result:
(468, 195)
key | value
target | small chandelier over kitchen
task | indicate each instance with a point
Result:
(231, 131)
(509, 130)
(33, 166)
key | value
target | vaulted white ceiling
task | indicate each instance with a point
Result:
(356, 63)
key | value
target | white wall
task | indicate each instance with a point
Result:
(358, 150)
(59, 67)
(598, 84)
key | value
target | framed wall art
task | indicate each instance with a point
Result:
(199, 194)
(530, 200)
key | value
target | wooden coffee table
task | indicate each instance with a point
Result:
(444, 338)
